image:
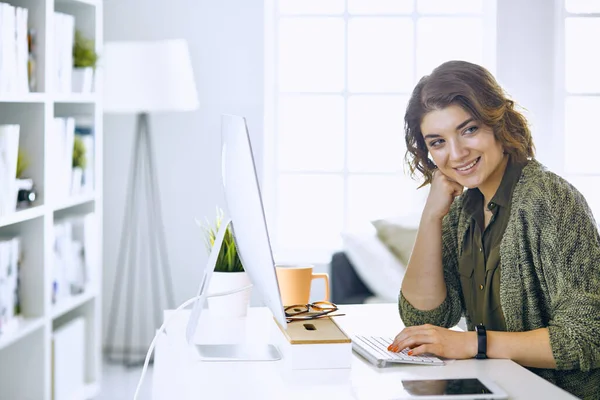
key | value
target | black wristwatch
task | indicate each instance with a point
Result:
(481, 342)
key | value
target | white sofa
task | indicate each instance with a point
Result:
(379, 254)
(377, 266)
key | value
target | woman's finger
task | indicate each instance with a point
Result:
(458, 188)
(412, 342)
(410, 331)
(404, 333)
(422, 349)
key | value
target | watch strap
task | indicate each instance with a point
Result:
(481, 342)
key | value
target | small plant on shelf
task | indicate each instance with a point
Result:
(84, 52)
(22, 163)
(79, 157)
(228, 259)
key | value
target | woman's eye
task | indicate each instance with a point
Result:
(471, 130)
(435, 143)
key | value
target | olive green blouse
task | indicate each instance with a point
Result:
(550, 276)
(479, 263)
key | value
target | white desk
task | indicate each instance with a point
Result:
(179, 374)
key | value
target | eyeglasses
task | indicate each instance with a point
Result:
(304, 312)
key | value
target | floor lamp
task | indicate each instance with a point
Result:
(143, 78)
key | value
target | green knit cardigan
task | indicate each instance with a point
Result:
(550, 276)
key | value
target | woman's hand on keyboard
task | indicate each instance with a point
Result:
(435, 340)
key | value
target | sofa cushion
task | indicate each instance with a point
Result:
(398, 236)
(379, 269)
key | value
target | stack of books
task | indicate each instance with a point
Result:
(9, 284)
(9, 153)
(75, 255)
(64, 182)
(14, 49)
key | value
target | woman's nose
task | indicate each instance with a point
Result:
(458, 151)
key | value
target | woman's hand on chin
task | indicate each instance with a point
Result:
(441, 195)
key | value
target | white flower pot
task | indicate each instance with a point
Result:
(232, 305)
(76, 180)
(82, 80)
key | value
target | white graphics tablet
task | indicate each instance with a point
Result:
(427, 389)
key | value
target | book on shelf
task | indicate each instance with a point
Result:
(75, 254)
(9, 283)
(64, 38)
(14, 49)
(61, 157)
(9, 153)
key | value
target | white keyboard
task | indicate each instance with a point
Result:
(374, 349)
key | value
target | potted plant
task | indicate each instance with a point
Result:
(85, 59)
(79, 164)
(229, 272)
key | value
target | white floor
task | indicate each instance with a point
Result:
(119, 383)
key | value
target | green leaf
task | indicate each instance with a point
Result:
(228, 259)
(84, 52)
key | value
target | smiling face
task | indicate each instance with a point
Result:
(464, 149)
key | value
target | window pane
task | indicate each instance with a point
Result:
(311, 54)
(372, 197)
(380, 6)
(311, 6)
(589, 186)
(582, 61)
(310, 211)
(449, 7)
(444, 39)
(582, 6)
(581, 134)
(376, 133)
(311, 133)
(380, 54)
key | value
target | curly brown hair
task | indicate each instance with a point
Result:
(475, 89)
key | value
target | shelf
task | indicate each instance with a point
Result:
(84, 2)
(22, 97)
(26, 345)
(26, 326)
(22, 215)
(76, 201)
(76, 98)
(71, 303)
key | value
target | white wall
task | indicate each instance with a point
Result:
(525, 67)
(226, 46)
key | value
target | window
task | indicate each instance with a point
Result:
(339, 75)
(579, 95)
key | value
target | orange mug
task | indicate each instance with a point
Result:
(295, 282)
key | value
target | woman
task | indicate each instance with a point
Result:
(518, 253)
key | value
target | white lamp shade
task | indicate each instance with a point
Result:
(148, 77)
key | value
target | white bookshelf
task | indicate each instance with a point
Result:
(26, 352)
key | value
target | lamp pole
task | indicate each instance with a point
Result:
(149, 242)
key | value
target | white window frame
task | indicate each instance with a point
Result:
(271, 96)
(561, 95)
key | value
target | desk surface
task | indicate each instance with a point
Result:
(179, 374)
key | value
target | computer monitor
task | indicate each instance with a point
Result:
(249, 228)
